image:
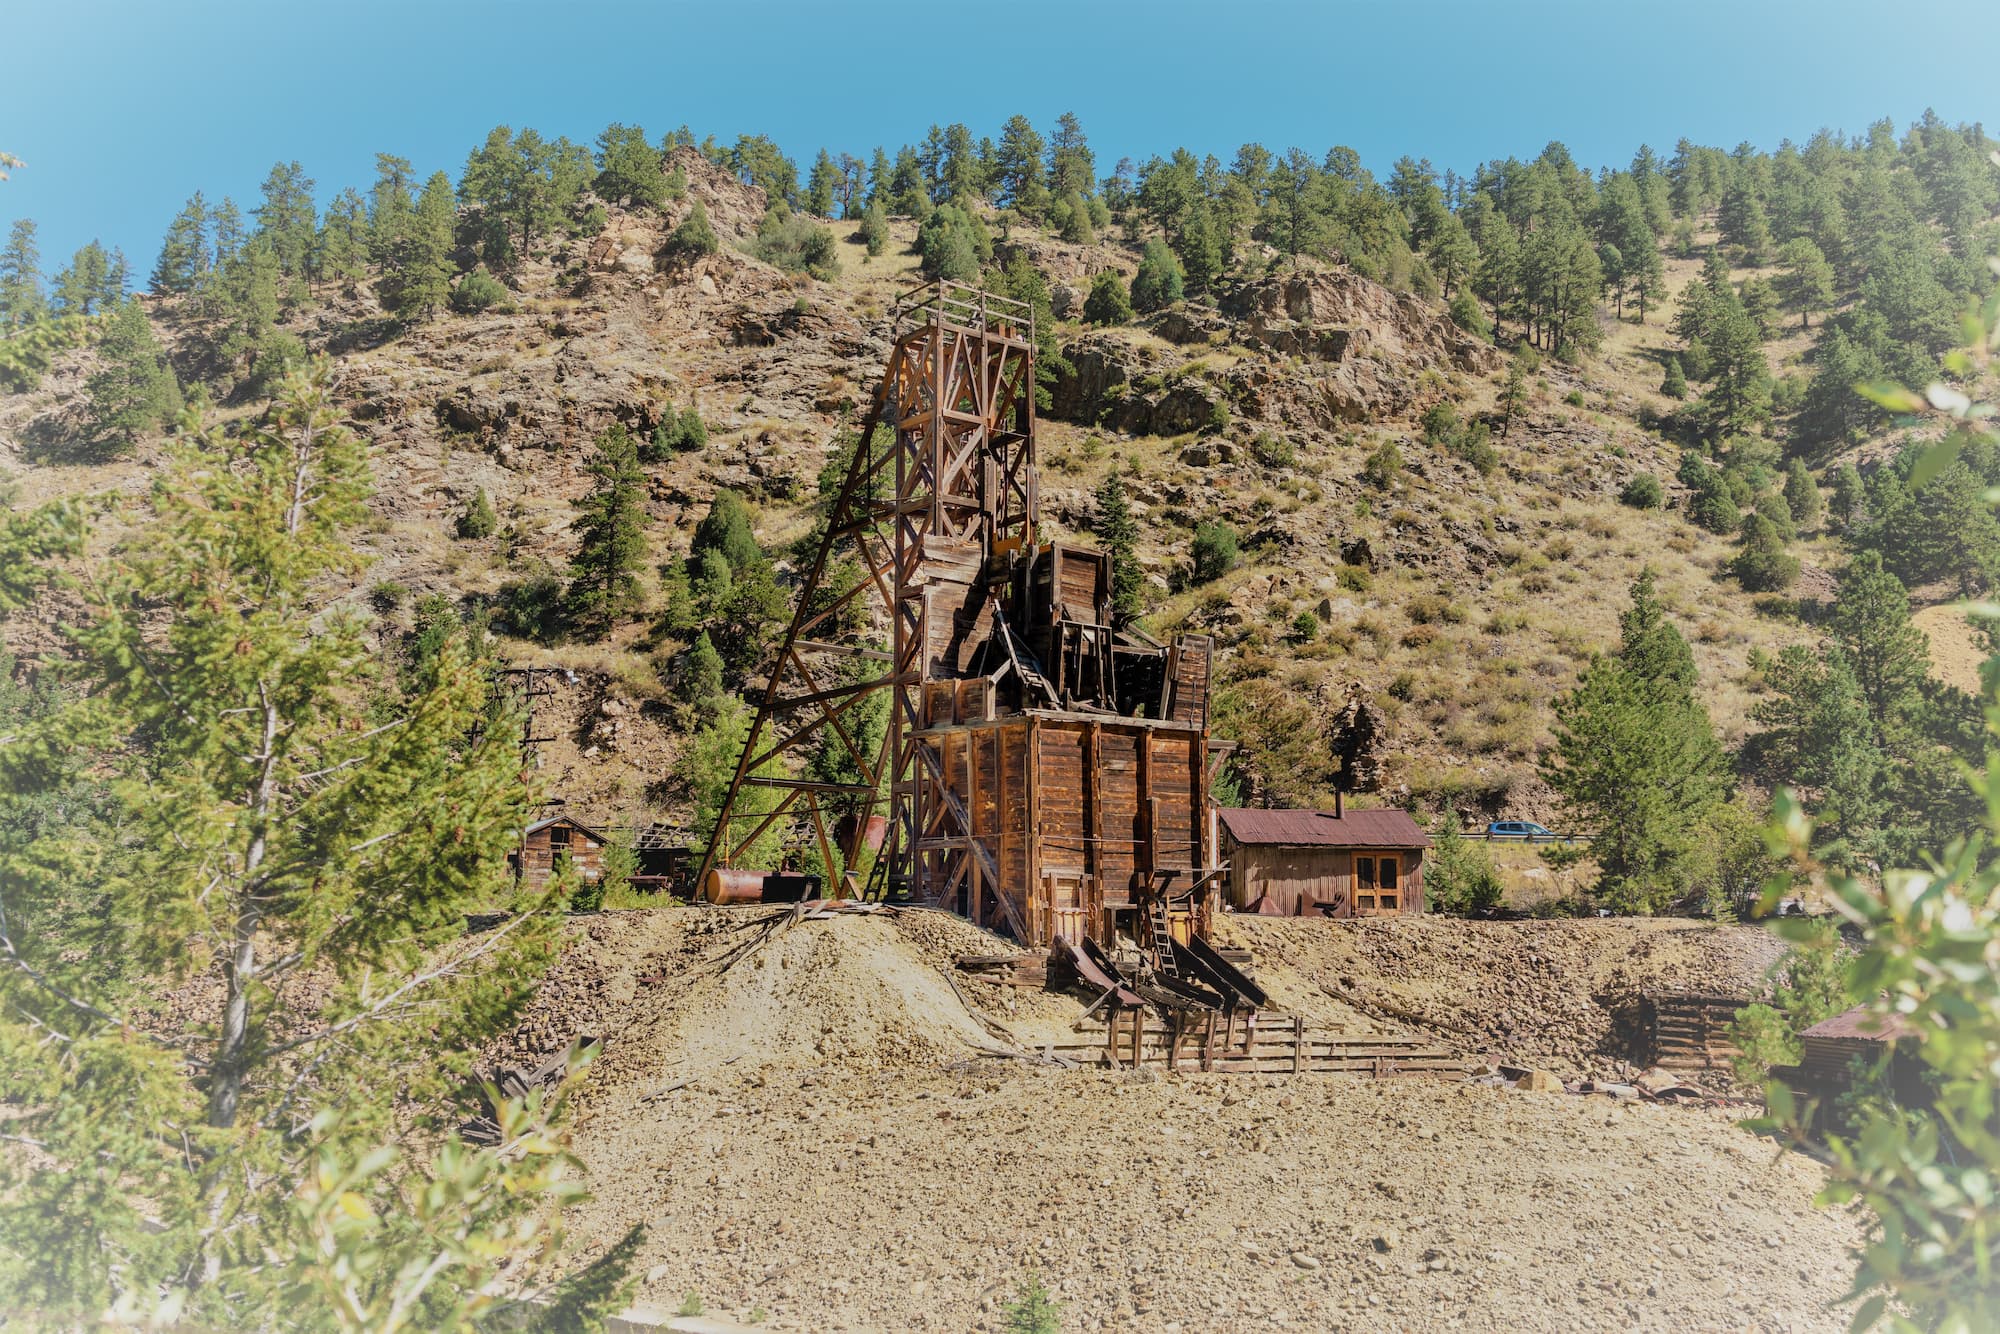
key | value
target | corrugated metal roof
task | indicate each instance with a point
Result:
(1351, 829)
(1860, 1022)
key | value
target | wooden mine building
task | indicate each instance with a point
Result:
(1043, 769)
(1337, 863)
(546, 840)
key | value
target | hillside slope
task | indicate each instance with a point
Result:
(1459, 603)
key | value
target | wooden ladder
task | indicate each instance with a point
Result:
(1163, 938)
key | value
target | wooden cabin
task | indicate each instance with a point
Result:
(545, 840)
(1336, 863)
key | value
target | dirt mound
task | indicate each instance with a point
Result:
(1555, 993)
(680, 994)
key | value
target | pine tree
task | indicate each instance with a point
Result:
(629, 168)
(418, 278)
(1848, 494)
(226, 229)
(1675, 384)
(1806, 285)
(1018, 168)
(21, 301)
(1072, 167)
(820, 184)
(693, 238)
(1636, 759)
(1159, 281)
(342, 250)
(1762, 564)
(184, 256)
(875, 228)
(604, 576)
(287, 218)
(1119, 533)
(1742, 222)
(1890, 657)
(1107, 302)
(392, 208)
(258, 825)
(1802, 496)
(478, 520)
(700, 677)
(135, 391)
(80, 288)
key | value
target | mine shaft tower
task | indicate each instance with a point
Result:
(1042, 771)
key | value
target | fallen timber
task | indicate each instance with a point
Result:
(1267, 1043)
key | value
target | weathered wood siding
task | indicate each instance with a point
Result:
(1298, 879)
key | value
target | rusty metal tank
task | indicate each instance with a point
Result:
(727, 885)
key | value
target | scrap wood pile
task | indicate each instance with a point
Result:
(514, 1082)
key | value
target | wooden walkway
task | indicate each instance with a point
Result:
(1272, 1044)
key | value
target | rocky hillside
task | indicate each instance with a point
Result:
(1458, 602)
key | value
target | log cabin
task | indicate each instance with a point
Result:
(1336, 863)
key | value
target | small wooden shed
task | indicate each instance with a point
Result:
(545, 840)
(1336, 863)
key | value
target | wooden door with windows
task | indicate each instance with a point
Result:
(1378, 883)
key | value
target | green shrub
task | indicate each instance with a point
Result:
(477, 291)
(1160, 280)
(1383, 465)
(387, 597)
(1355, 578)
(1214, 550)
(1108, 302)
(795, 243)
(1273, 450)
(1574, 398)
(1458, 875)
(532, 605)
(1305, 628)
(479, 520)
(1643, 492)
(693, 238)
(874, 232)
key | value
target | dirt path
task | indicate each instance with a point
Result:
(813, 1138)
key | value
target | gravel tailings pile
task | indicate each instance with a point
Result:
(813, 1135)
(1548, 993)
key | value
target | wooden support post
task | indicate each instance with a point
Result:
(1174, 1040)
(1111, 1036)
(1138, 1032)
(1298, 1043)
(1208, 1045)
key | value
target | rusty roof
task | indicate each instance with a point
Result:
(1324, 829)
(1862, 1023)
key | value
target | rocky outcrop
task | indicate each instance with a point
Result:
(1332, 315)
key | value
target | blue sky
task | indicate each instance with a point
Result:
(121, 109)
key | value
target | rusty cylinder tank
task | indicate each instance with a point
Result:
(727, 885)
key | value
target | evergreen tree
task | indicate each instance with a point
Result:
(524, 185)
(952, 244)
(226, 230)
(1072, 167)
(343, 241)
(1214, 550)
(820, 185)
(478, 520)
(1889, 656)
(629, 168)
(287, 218)
(260, 829)
(21, 301)
(1159, 282)
(1675, 384)
(1762, 564)
(1459, 876)
(699, 682)
(1848, 493)
(1018, 168)
(1108, 302)
(726, 531)
(1831, 414)
(1742, 222)
(81, 288)
(693, 238)
(184, 255)
(1738, 398)
(1636, 760)
(1074, 224)
(418, 278)
(875, 228)
(1818, 740)
(1118, 532)
(135, 391)
(1806, 285)
(392, 206)
(611, 522)
(1802, 496)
